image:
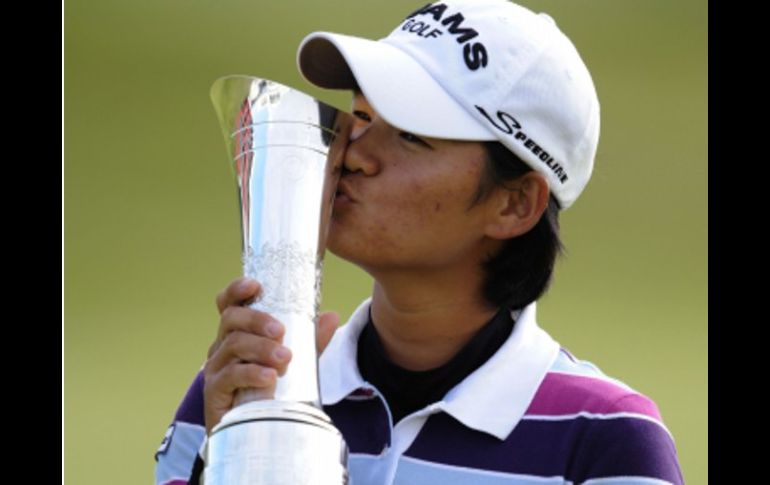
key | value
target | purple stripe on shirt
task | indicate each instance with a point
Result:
(191, 408)
(627, 447)
(565, 394)
(577, 449)
(347, 416)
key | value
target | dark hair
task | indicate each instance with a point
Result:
(521, 271)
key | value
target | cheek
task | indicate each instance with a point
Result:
(430, 204)
(450, 193)
(417, 201)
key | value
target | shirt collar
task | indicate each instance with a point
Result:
(338, 368)
(492, 399)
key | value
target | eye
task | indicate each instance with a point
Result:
(413, 139)
(362, 115)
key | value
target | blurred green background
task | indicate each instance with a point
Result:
(151, 230)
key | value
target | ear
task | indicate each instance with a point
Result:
(517, 207)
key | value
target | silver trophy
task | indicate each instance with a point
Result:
(286, 149)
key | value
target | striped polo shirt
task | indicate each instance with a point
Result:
(532, 414)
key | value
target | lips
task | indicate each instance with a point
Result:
(344, 191)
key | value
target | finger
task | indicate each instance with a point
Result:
(239, 376)
(327, 325)
(243, 396)
(213, 348)
(241, 347)
(220, 389)
(236, 318)
(238, 292)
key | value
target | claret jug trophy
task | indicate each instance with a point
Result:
(286, 150)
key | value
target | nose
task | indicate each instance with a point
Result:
(361, 154)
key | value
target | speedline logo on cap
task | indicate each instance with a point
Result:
(474, 53)
(508, 124)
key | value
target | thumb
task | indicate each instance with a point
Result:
(327, 324)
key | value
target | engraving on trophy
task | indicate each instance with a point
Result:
(286, 272)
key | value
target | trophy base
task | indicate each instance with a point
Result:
(276, 442)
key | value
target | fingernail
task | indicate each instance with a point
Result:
(267, 373)
(273, 329)
(246, 284)
(281, 353)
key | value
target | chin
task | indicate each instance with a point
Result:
(341, 251)
(336, 246)
(352, 253)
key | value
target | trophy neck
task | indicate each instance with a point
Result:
(286, 155)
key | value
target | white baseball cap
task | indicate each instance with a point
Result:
(479, 70)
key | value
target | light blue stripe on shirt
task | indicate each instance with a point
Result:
(177, 461)
(412, 471)
(626, 481)
(565, 365)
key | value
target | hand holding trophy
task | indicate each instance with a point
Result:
(286, 149)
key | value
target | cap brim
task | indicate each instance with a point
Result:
(395, 84)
